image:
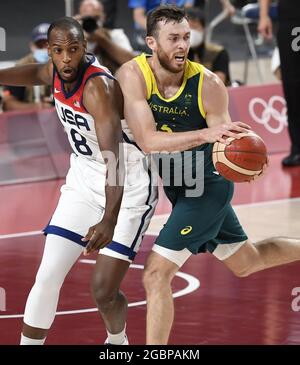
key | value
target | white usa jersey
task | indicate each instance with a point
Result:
(78, 123)
(83, 200)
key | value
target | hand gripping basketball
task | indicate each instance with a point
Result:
(243, 159)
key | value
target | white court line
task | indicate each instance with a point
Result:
(159, 216)
(22, 234)
(268, 202)
(192, 285)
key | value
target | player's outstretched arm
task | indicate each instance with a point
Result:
(103, 98)
(141, 121)
(31, 74)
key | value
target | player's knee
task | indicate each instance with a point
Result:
(246, 261)
(155, 278)
(49, 279)
(242, 273)
(245, 269)
(103, 294)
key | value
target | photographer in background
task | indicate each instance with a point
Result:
(110, 46)
(30, 97)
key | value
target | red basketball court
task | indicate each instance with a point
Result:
(212, 306)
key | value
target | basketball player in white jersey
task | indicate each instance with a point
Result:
(91, 213)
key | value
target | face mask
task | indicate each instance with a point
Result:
(196, 38)
(41, 55)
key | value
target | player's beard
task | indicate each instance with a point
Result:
(165, 62)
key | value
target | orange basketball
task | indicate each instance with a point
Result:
(242, 160)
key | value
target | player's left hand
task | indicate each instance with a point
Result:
(98, 236)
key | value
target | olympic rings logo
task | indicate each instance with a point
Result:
(273, 115)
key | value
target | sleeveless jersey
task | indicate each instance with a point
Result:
(78, 123)
(180, 113)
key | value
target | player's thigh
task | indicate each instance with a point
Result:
(230, 237)
(193, 222)
(131, 226)
(73, 216)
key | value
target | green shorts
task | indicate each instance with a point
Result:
(200, 224)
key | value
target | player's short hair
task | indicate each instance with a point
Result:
(167, 13)
(66, 23)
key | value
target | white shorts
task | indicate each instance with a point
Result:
(82, 201)
(222, 252)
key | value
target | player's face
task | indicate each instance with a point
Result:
(67, 53)
(172, 45)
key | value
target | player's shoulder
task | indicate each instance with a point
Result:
(212, 83)
(96, 84)
(213, 92)
(95, 73)
(130, 75)
(128, 69)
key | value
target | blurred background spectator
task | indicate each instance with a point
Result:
(211, 55)
(117, 27)
(110, 10)
(111, 46)
(140, 9)
(288, 45)
(18, 98)
(226, 4)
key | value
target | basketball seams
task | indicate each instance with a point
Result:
(221, 158)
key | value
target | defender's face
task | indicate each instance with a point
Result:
(67, 53)
(172, 45)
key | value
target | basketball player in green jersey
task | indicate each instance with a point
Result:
(169, 93)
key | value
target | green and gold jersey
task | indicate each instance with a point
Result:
(181, 113)
(184, 111)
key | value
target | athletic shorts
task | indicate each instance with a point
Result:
(82, 201)
(201, 224)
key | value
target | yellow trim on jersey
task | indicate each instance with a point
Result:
(200, 103)
(146, 71)
(191, 69)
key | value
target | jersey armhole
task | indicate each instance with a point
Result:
(53, 79)
(93, 75)
(200, 103)
(146, 72)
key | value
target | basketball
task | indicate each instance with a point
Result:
(242, 160)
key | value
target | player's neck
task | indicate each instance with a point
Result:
(69, 86)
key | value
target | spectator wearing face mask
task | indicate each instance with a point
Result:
(211, 55)
(140, 8)
(111, 46)
(18, 98)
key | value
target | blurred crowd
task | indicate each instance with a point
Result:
(113, 47)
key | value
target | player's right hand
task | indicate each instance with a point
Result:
(98, 236)
(221, 132)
